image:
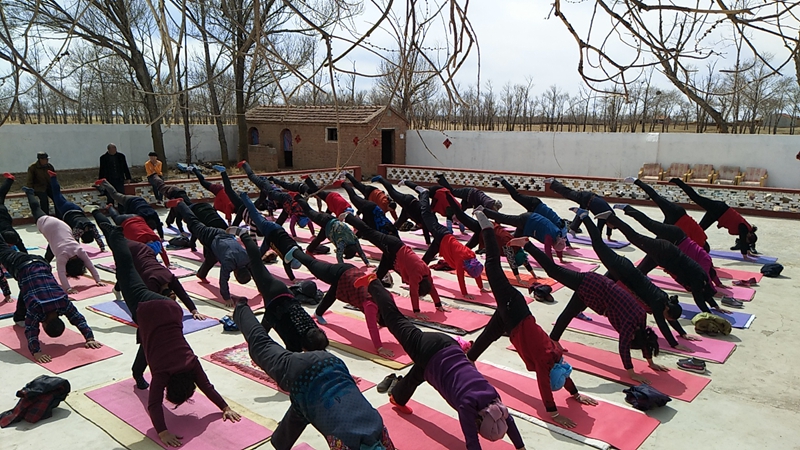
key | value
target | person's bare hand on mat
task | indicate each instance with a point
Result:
(522, 282)
(636, 377)
(469, 297)
(197, 316)
(100, 284)
(386, 353)
(421, 316)
(170, 439)
(585, 399)
(230, 303)
(565, 422)
(8, 299)
(91, 343)
(657, 367)
(485, 290)
(229, 414)
(683, 348)
(42, 357)
(723, 311)
(72, 291)
(441, 308)
(690, 337)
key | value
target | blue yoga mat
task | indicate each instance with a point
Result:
(119, 309)
(737, 256)
(737, 319)
(585, 240)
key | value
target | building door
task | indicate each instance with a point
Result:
(286, 139)
(387, 146)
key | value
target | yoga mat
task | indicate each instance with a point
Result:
(372, 252)
(199, 422)
(187, 253)
(94, 251)
(676, 383)
(177, 270)
(737, 256)
(708, 349)
(302, 446)
(352, 334)
(623, 428)
(571, 265)
(731, 274)
(68, 350)
(586, 240)
(87, 288)
(428, 429)
(7, 309)
(237, 359)
(450, 289)
(277, 271)
(737, 319)
(744, 294)
(465, 320)
(210, 291)
(118, 311)
(526, 277)
(576, 252)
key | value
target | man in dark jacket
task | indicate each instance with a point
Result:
(39, 180)
(114, 168)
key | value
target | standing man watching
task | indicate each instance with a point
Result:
(153, 167)
(114, 168)
(39, 180)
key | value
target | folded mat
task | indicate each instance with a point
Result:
(708, 349)
(351, 335)
(177, 270)
(199, 422)
(118, 311)
(88, 288)
(68, 350)
(737, 256)
(237, 359)
(744, 294)
(428, 429)
(210, 291)
(731, 274)
(676, 383)
(586, 240)
(737, 319)
(623, 428)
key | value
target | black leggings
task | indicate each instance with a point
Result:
(363, 188)
(36, 206)
(438, 231)
(370, 211)
(672, 211)
(233, 196)
(389, 245)
(263, 184)
(516, 221)
(467, 221)
(410, 210)
(567, 277)
(586, 200)
(529, 202)
(419, 345)
(4, 188)
(204, 234)
(292, 187)
(325, 272)
(714, 208)
(318, 218)
(664, 231)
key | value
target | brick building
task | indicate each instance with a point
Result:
(307, 137)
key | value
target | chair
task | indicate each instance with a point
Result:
(753, 176)
(702, 174)
(651, 172)
(677, 170)
(728, 175)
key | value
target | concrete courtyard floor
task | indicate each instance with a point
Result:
(752, 402)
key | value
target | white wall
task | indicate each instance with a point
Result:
(613, 155)
(80, 146)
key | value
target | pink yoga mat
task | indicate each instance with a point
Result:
(529, 279)
(199, 422)
(8, 308)
(676, 383)
(178, 271)
(744, 294)
(68, 350)
(450, 289)
(237, 359)
(353, 333)
(211, 291)
(87, 288)
(187, 253)
(708, 349)
(466, 320)
(94, 251)
(428, 429)
(623, 428)
(302, 446)
(731, 274)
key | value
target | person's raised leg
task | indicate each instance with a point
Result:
(515, 221)
(33, 201)
(324, 271)
(528, 202)
(232, 195)
(440, 178)
(201, 178)
(359, 202)
(564, 191)
(672, 211)
(567, 277)
(357, 184)
(644, 243)
(661, 230)
(266, 353)
(5, 187)
(267, 285)
(463, 217)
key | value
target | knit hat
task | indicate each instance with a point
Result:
(493, 421)
(559, 374)
(473, 267)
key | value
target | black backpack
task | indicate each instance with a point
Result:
(645, 397)
(771, 270)
(180, 242)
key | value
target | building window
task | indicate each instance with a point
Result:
(331, 134)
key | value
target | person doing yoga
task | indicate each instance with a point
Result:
(535, 226)
(82, 228)
(470, 197)
(132, 204)
(375, 195)
(340, 235)
(371, 212)
(410, 205)
(534, 346)
(585, 200)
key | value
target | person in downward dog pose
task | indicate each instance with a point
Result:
(133, 205)
(535, 226)
(586, 200)
(534, 346)
(470, 197)
(371, 212)
(82, 228)
(339, 234)
(410, 205)
(375, 195)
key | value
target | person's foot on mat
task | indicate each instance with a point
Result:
(674, 180)
(404, 409)
(141, 383)
(629, 180)
(383, 386)
(603, 215)
(365, 280)
(52, 174)
(376, 179)
(9, 176)
(583, 316)
(173, 202)
(320, 319)
(620, 206)
(241, 163)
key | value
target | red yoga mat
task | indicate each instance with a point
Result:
(428, 429)
(466, 320)
(623, 428)
(732, 274)
(529, 279)
(88, 288)
(676, 383)
(68, 350)
(708, 349)
(353, 333)
(199, 422)
(211, 292)
(237, 359)
(744, 294)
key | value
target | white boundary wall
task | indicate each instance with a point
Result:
(80, 146)
(614, 155)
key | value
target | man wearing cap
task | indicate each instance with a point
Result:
(39, 180)
(114, 168)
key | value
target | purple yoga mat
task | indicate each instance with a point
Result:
(118, 311)
(737, 319)
(737, 256)
(585, 240)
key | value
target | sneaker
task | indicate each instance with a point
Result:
(88, 209)
(549, 180)
(692, 365)
(583, 316)
(228, 324)
(580, 212)
(9, 176)
(218, 168)
(603, 215)
(388, 381)
(376, 179)
(241, 163)
(732, 302)
(99, 182)
(26, 190)
(321, 320)
(629, 180)
(620, 206)
(497, 179)
(52, 174)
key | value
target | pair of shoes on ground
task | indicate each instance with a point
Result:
(692, 365)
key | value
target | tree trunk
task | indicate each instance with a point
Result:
(212, 92)
(699, 101)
